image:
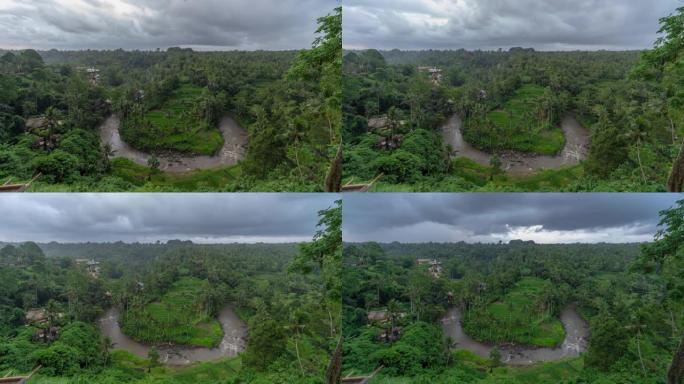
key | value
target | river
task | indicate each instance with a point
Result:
(518, 163)
(233, 150)
(576, 335)
(233, 342)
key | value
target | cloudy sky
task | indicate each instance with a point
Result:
(202, 218)
(493, 24)
(151, 24)
(544, 218)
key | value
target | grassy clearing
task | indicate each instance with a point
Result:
(469, 176)
(470, 368)
(556, 372)
(548, 180)
(179, 317)
(521, 316)
(471, 171)
(528, 132)
(126, 367)
(202, 180)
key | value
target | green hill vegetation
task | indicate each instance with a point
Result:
(525, 123)
(525, 315)
(185, 122)
(183, 315)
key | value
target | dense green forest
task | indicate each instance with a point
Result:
(170, 108)
(396, 298)
(53, 305)
(531, 121)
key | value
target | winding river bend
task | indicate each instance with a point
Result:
(576, 335)
(233, 150)
(233, 342)
(518, 163)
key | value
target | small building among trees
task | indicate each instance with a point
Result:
(434, 266)
(36, 316)
(378, 317)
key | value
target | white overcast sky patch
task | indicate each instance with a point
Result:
(131, 217)
(493, 24)
(488, 218)
(151, 24)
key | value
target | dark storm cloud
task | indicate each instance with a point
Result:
(493, 217)
(151, 217)
(150, 24)
(493, 24)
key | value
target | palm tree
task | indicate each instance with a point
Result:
(393, 310)
(293, 135)
(377, 89)
(107, 346)
(52, 309)
(298, 320)
(153, 163)
(637, 134)
(51, 121)
(107, 153)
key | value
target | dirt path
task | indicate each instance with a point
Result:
(576, 335)
(233, 342)
(517, 163)
(233, 150)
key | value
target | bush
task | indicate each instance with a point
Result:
(86, 340)
(267, 342)
(58, 166)
(58, 360)
(420, 348)
(425, 146)
(86, 147)
(10, 163)
(399, 167)
(18, 353)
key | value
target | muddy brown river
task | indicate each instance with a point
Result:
(233, 342)
(517, 163)
(576, 335)
(233, 150)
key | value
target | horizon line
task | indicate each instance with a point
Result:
(489, 243)
(503, 50)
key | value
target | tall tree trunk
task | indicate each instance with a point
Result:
(676, 371)
(672, 322)
(299, 168)
(641, 167)
(299, 360)
(332, 324)
(641, 359)
(333, 180)
(674, 183)
(334, 370)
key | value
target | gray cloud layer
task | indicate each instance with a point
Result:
(554, 218)
(493, 24)
(150, 24)
(150, 217)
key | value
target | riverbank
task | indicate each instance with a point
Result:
(575, 150)
(233, 342)
(233, 150)
(575, 342)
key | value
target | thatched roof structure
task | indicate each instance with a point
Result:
(36, 315)
(378, 316)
